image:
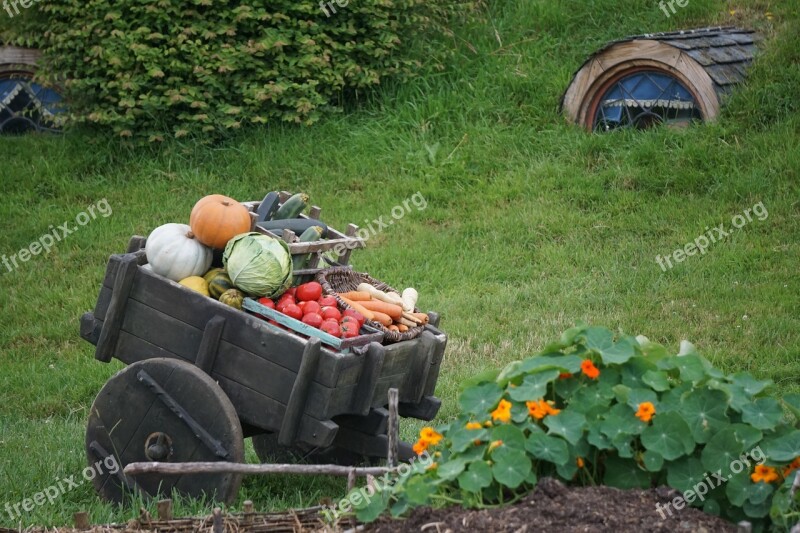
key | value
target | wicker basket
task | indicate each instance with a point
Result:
(344, 279)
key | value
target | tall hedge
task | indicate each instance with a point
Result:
(151, 69)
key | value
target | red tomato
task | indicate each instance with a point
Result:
(331, 327)
(309, 291)
(355, 314)
(310, 307)
(266, 302)
(291, 291)
(331, 312)
(349, 329)
(328, 301)
(293, 311)
(313, 319)
(349, 319)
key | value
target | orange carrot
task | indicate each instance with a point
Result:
(369, 315)
(394, 328)
(382, 318)
(420, 316)
(402, 328)
(356, 296)
(394, 311)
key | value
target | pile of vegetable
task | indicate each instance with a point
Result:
(392, 310)
(218, 256)
(307, 304)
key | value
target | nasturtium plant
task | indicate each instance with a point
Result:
(602, 407)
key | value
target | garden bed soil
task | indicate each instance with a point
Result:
(553, 506)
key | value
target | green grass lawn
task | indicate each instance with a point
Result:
(531, 224)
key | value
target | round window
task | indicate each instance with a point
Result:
(27, 106)
(643, 98)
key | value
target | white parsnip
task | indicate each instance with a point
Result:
(388, 297)
(410, 297)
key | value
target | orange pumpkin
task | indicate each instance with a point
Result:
(216, 219)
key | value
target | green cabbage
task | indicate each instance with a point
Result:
(258, 265)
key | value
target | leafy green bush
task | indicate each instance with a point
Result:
(598, 408)
(147, 69)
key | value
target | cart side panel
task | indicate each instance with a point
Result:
(283, 348)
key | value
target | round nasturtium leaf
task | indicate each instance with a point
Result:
(476, 477)
(601, 340)
(568, 424)
(759, 492)
(685, 473)
(737, 489)
(653, 461)
(763, 413)
(533, 386)
(668, 435)
(783, 449)
(625, 474)
(656, 379)
(704, 411)
(480, 400)
(418, 490)
(511, 467)
(721, 450)
(511, 436)
(547, 448)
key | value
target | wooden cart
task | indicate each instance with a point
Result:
(202, 376)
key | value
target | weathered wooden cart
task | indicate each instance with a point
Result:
(203, 376)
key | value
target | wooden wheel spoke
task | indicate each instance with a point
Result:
(210, 442)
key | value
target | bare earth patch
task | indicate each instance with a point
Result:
(553, 506)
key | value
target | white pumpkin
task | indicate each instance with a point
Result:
(174, 253)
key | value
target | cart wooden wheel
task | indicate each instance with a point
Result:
(163, 410)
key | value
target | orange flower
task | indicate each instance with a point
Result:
(588, 368)
(419, 447)
(765, 474)
(540, 409)
(564, 375)
(794, 465)
(474, 425)
(432, 466)
(503, 411)
(487, 424)
(430, 435)
(579, 462)
(495, 444)
(646, 411)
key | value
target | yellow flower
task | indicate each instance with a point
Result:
(495, 444)
(503, 411)
(768, 14)
(646, 411)
(432, 466)
(474, 425)
(794, 465)
(488, 424)
(420, 446)
(540, 409)
(430, 435)
(764, 474)
(732, 12)
(588, 368)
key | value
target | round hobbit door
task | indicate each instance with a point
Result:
(643, 98)
(26, 106)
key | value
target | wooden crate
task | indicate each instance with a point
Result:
(348, 240)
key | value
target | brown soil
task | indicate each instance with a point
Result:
(554, 507)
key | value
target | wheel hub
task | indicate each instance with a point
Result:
(158, 447)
